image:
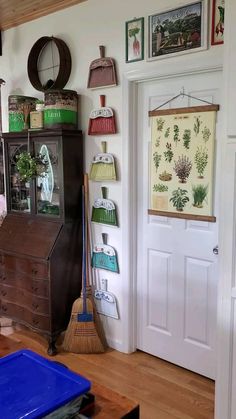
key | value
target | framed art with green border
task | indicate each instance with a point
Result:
(217, 28)
(134, 37)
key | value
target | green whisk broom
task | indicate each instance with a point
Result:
(81, 335)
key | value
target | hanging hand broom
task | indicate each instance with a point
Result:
(104, 210)
(103, 166)
(102, 120)
(81, 335)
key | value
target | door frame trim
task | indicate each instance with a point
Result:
(130, 82)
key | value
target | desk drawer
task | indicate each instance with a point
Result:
(30, 267)
(39, 287)
(25, 316)
(24, 298)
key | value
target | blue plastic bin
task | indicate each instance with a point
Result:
(31, 386)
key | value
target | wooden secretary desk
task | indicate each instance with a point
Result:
(41, 235)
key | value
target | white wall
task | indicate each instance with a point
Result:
(84, 28)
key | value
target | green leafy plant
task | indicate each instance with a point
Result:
(160, 187)
(156, 159)
(176, 134)
(160, 124)
(179, 199)
(29, 167)
(182, 168)
(201, 160)
(167, 132)
(197, 124)
(187, 138)
(157, 143)
(206, 133)
(199, 195)
(168, 153)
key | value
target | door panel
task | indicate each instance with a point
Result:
(176, 267)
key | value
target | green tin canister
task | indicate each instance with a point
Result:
(19, 108)
(61, 109)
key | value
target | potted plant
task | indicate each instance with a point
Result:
(199, 195)
(29, 166)
(179, 199)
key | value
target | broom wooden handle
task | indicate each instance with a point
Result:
(104, 238)
(104, 192)
(88, 247)
(102, 100)
(104, 146)
(102, 51)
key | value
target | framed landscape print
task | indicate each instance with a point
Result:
(182, 162)
(134, 34)
(218, 19)
(178, 31)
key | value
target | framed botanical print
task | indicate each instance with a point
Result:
(134, 34)
(217, 28)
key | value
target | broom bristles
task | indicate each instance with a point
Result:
(102, 171)
(82, 336)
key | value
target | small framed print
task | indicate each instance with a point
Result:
(217, 28)
(178, 31)
(134, 36)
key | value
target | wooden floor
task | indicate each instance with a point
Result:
(163, 390)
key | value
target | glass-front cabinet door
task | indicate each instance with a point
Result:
(47, 185)
(19, 191)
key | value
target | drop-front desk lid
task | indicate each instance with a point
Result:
(29, 236)
(32, 387)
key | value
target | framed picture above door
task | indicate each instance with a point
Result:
(178, 31)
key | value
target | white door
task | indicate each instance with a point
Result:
(176, 266)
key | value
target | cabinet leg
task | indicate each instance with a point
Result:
(52, 349)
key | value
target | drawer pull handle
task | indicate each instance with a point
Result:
(34, 271)
(35, 306)
(35, 322)
(3, 293)
(4, 308)
(2, 278)
(34, 289)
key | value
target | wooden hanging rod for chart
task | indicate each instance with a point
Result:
(191, 109)
(209, 218)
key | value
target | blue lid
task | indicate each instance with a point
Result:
(31, 386)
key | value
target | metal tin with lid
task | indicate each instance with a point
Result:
(61, 109)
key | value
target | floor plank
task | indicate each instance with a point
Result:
(163, 390)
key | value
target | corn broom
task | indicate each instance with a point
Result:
(81, 335)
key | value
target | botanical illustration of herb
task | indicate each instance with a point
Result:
(176, 134)
(187, 138)
(167, 133)
(156, 159)
(157, 143)
(201, 160)
(183, 168)
(199, 195)
(160, 124)
(168, 153)
(160, 187)
(165, 177)
(179, 199)
(197, 124)
(206, 133)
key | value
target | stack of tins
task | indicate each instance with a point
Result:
(61, 109)
(19, 108)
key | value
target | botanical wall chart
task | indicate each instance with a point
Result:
(182, 162)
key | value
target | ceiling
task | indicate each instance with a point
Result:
(16, 12)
